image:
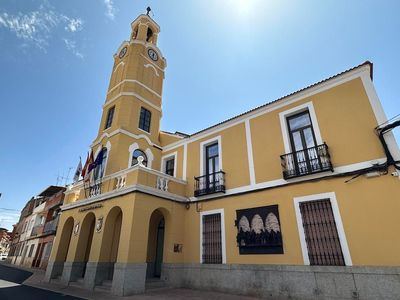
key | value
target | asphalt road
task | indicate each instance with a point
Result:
(12, 287)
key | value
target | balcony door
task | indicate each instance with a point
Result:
(212, 165)
(303, 143)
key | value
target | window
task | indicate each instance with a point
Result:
(321, 234)
(212, 159)
(99, 170)
(301, 131)
(31, 250)
(212, 247)
(135, 156)
(110, 116)
(212, 165)
(145, 119)
(303, 144)
(170, 166)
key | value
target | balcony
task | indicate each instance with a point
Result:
(138, 177)
(209, 184)
(51, 226)
(93, 190)
(37, 230)
(305, 162)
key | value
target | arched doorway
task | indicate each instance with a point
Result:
(111, 238)
(85, 241)
(155, 245)
(63, 246)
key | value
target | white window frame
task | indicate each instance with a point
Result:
(293, 111)
(338, 220)
(223, 244)
(149, 154)
(164, 162)
(203, 146)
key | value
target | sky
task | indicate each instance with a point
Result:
(223, 58)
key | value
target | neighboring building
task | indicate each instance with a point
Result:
(293, 198)
(54, 199)
(5, 238)
(35, 232)
(18, 249)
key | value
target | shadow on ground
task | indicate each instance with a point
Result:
(14, 275)
(26, 292)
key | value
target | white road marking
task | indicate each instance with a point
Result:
(7, 284)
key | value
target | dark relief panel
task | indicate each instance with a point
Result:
(259, 230)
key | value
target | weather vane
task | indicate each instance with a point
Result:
(148, 10)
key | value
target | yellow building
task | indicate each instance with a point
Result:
(257, 204)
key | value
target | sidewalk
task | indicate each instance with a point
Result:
(36, 280)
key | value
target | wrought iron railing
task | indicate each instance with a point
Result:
(209, 184)
(93, 190)
(51, 226)
(308, 161)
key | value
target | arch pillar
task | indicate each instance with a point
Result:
(60, 249)
(100, 266)
(75, 266)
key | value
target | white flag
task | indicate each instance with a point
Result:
(78, 171)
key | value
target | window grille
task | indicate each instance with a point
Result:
(321, 234)
(212, 242)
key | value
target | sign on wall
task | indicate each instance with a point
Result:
(259, 230)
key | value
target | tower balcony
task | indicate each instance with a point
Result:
(131, 179)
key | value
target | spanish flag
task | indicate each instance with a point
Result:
(88, 166)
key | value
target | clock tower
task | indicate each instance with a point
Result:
(132, 110)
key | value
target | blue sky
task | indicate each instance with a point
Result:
(224, 57)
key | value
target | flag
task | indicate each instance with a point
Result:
(99, 158)
(91, 164)
(88, 166)
(78, 170)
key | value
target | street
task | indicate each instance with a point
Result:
(12, 287)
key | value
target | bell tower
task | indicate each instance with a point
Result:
(133, 106)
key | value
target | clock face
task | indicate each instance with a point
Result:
(123, 52)
(153, 54)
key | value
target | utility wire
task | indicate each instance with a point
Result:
(398, 115)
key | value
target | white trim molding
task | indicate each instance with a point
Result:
(167, 157)
(250, 159)
(380, 115)
(149, 154)
(132, 148)
(137, 82)
(223, 241)
(134, 95)
(184, 162)
(203, 145)
(338, 220)
(295, 110)
(152, 67)
(123, 131)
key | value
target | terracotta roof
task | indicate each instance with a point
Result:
(291, 94)
(51, 190)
